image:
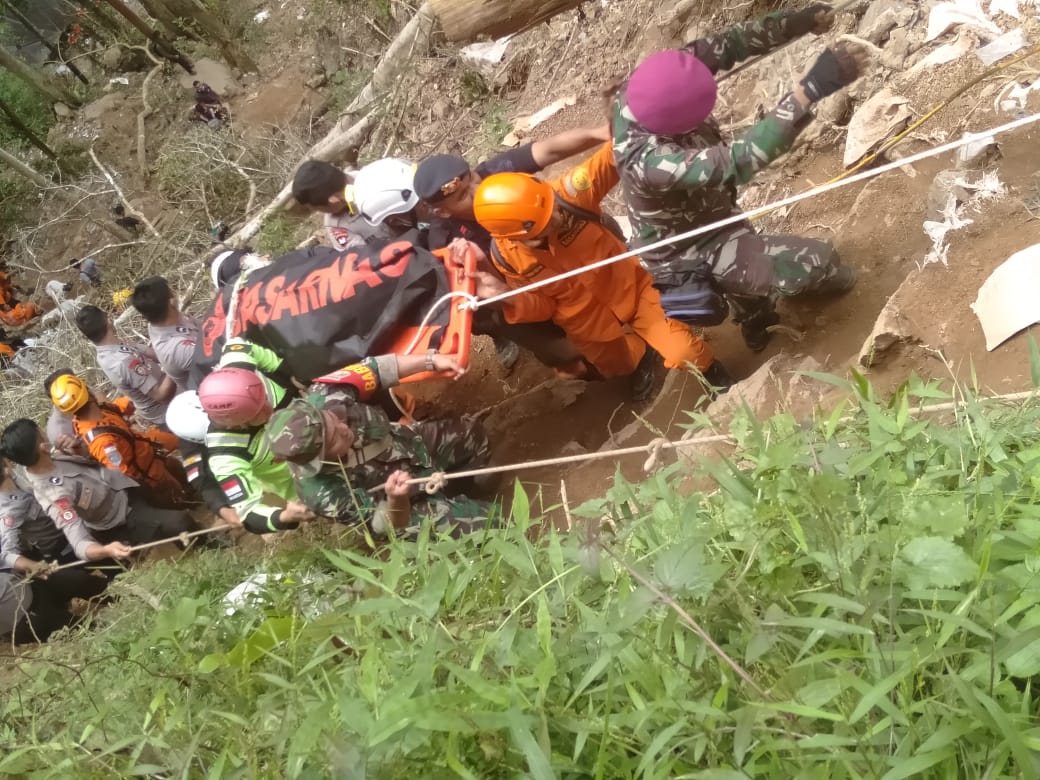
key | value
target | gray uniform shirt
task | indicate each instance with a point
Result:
(347, 231)
(15, 601)
(59, 425)
(135, 373)
(24, 525)
(174, 345)
(79, 495)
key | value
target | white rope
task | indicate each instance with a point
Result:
(742, 217)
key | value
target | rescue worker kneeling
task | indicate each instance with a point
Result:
(542, 229)
(100, 510)
(338, 448)
(145, 457)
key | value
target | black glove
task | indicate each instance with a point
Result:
(834, 69)
(801, 22)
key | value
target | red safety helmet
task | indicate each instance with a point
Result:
(514, 205)
(235, 398)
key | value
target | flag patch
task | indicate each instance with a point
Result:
(115, 457)
(66, 514)
(233, 489)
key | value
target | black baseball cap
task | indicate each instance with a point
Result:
(434, 172)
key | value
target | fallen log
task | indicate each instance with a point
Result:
(464, 20)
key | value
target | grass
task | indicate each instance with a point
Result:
(873, 573)
(279, 234)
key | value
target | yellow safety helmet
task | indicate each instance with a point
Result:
(69, 393)
(120, 298)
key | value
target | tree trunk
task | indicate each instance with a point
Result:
(160, 11)
(215, 31)
(413, 39)
(162, 46)
(464, 20)
(55, 54)
(53, 93)
(25, 131)
(97, 12)
(44, 183)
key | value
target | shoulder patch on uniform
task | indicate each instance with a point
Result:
(183, 329)
(578, 181)
(67, 514)
(233, 489)
(10, 522)
(125, 348)
(115, 457)
(191, 460)
(55, 480)
(138, 367)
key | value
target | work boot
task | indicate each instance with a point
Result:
(841, 281)
(645, 375)
(753, 329)
(507, 351)
(717, 380)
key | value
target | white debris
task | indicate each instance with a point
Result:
(1001, 47)
(262, 17)
(961, 45)
(486, 52)
(1009, 7)
(987, 188)
(970, 151)
(877, 119)
(248, 592)
(120, 80)
(1007, 299)
(525, 124)
(969, 12)
(1014, 96)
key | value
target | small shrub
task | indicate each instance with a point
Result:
(278, 235)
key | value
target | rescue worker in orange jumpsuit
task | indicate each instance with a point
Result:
(541, 229)
(112, 441)
(11, 312)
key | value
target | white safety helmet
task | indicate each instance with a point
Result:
(228, 265)
(384, 188)
(186, 417)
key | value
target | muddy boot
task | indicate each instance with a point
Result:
(838, 283)
(717, 379)
(645, 375)
(507, 351)
(754, 329)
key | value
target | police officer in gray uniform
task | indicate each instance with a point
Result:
(99, 510)
(131, 368)
(171, 333)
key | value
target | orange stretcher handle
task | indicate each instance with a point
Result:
(458, 336)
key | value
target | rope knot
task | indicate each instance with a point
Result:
(184, 538)
(436, 482)
(654, 449)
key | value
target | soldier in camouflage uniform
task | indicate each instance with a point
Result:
(677, 173)
(338, 448)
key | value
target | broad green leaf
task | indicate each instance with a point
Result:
(1034, 361)
(915, 766)
(932, 561)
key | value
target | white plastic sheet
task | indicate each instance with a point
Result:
(950, 14)
(1007, 299)
(1001, 47)
(878, 118)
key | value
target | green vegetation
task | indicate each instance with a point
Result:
(279, 234)
(27, 106)
(876, 572)
(344, 86)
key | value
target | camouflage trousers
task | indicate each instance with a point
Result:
(744, 263)
(456, 516)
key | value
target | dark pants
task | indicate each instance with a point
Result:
(50, 606)
(146, 523)
(545, 340)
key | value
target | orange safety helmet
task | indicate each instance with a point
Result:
(514, 205)
(69, 393)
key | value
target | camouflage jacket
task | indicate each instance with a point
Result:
(672, 184)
